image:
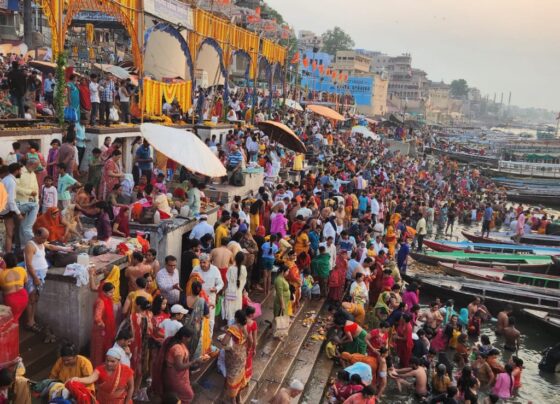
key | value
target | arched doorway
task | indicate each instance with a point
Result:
(173, 57)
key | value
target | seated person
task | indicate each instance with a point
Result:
(53, 221)
(121, 223)
(70, 365)
(71, 218)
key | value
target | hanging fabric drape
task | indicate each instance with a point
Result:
(156, 91)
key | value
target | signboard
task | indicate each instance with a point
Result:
(94, 16)
(172, 11)
(9, 5)
(359, 87)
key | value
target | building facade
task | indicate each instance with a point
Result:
(351, 62)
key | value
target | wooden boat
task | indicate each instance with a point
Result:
(468, 158)
(522, 169)
(501, 275)
(495, 295)
(540, 239)
(448, 246)
(502, 237)
(550, 320)
(525, 182)
(535, 196)
(495, 237)
(528, 263)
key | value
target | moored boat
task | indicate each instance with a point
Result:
(528, 263)
(502, 237)
(522, 169)
(496, 237)
(550, 320)
(448, 246)
(502, 275)
(496, 296)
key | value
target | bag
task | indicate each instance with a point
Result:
(281, 327)
(147, 216)
(113, 114)
(218, 308)
(61, 259)
(237, 179)
(70, 115)
(257, 307)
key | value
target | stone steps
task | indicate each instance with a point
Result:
(37, 356)
(316, 382)
(288, 355)
(271, 364)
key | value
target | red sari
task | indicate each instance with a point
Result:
(404, 347)
(337, 279)
(113, 388)
(107, 181)
(104, 328)
(250, 352)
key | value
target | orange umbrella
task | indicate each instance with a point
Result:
(325, 111)
(282, 134)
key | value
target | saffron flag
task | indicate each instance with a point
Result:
(295, 58)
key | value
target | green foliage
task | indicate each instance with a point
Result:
(335, 40)
(272, 14)
(459, 88)
(59, 96)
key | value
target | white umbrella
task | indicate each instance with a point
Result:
(116, 71)
(185, 148)
(293, 105)
(365, 132)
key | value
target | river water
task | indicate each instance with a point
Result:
(537, 387)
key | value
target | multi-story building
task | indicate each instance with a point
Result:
(378, 60)
(309, 40)
(351, 62)
(405, 81)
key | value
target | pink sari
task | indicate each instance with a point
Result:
(107, 181)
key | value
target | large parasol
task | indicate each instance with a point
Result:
(282, 134)
(325, 111)
(185, 148)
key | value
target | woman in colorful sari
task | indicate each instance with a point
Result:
(53, 222)
(235, 346)
(252, 330)
(12, 281)
(354, 340)
(198, 321)
(141, 327)
(172, 366)
(104, 329)
(71, 365)
(357, 310)
(391, 234)
(112, 175)
(294, 278)
(282, 292)
(114, 382)
(255, 214)
(337, 277)
(403, 339)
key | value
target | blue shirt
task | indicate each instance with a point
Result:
(235, 158)
(488, 213)
(108, 92)
(144, 153)
(269, 251)
(363, 200)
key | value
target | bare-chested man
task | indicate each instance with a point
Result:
(419, 372)
(475, 306)
(511, 335)
(503, 319)
(152, 261)
(222, 258)
(432, 318)
(136, 269)
(286, 394)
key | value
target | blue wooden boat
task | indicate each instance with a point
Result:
(446, 246)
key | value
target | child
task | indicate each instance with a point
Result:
(517, 370)
(65, 182)
(52, 158)
(382, 371)
(160, 183)
(310, 288)
(49, 194)
(338, 386)
(462, 351)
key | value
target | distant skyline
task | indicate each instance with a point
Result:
(496, 45)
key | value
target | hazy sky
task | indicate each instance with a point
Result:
(496, 45)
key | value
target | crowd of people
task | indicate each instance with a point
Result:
(342, 232)
(90, 99)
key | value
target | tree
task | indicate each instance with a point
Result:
(459, 88)
(335, 40)
(271, 14)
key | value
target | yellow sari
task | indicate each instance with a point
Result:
(236, 358)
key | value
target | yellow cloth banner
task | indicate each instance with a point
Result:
(155, 91)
